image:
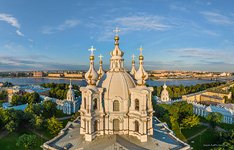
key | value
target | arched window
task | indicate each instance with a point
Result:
(84, 103)
(95, 125)
(116, 125)
(116, 105)
(95, 104)
(136, 126)
(137, 104)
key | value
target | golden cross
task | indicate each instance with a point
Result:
(141, 49)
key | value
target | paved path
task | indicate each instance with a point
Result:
(199, 133)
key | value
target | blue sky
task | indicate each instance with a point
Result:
(175, 35)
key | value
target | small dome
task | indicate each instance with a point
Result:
(70, 95)
(116, 84)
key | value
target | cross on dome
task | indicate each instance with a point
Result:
(141, 49)
(100, 56)
(92, 49)
(133, 57)
(116, 31)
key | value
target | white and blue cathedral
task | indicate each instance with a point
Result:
(70, 104)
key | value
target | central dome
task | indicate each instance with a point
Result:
(116, 84)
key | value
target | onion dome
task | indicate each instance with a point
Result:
(116, 52)
(141, 75)
(100, 72)
(91, 75)
(116, 61)
(133, 71)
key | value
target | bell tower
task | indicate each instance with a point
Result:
(91, 111)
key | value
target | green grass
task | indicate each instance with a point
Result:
(207, 138)
(203, 119)
(192, 131)
(9, 142)
(226, 126)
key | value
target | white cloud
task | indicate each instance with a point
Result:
(65, 25)
(135, 23)
(12, 21)
(19, 33)
(217, 18)
(204, 54)
(142, 23)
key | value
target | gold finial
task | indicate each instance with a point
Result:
(141, 57)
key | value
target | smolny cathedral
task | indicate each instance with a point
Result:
(116, 110)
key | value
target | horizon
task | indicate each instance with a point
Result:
(175, 35)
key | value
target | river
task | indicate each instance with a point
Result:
(36, 81)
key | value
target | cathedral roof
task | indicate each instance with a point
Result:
(71, 138)
(116, 84)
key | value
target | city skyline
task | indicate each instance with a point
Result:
(175, 35)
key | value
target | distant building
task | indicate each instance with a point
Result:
(210, 96)
(69, 105)
(227, 112)
(38, 74)
(164, 94)
(55, 75)
(73, 75)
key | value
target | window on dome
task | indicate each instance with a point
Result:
(136, 126)
(95, 104)
(137, 104)
(116, 105)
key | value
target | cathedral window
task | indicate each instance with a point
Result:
(95, 104)
(137, 104)
(95, 125)
(136, 126)
(116, 105)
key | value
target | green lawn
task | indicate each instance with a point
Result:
(192, 131)
(9, 142)
(203, 141)
(226, 126)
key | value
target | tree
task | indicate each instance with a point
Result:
(214, 118)
(3, 95)
(190, 121)
(33, 98)
(37, 121)
(11, 126)
(28, 141)
(49, 109)
(54, 126)
(16, 100)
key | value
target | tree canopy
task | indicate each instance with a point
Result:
(176, 92)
